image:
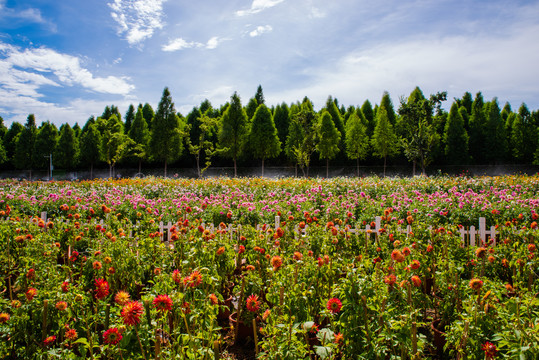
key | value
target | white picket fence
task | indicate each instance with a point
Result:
(469, 236)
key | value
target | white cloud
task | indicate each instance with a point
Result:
(180, 44)
(138, 19)
(316, 13)
(24, 73)
(259, 5)
(260, 30)
(31, 15)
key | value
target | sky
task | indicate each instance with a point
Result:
(64, 61)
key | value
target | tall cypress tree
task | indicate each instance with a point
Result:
(281, 118)
(148, 114)
(387, 104)
(356, 139)
(333, 110)
(259, 96)
(10, 140)
(90, 146)
(263, 139)
(233, 131)
(455, 137)
(25, 145)
(45, 144)
(166, 139)
(384, 141)
(495, 145)
(476, 130)
(368, 113)
(140, 134)
(67, 151)
(329, 139)
(129, 117)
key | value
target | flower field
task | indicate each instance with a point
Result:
(269, 268)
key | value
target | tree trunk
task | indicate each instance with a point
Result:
(327, 168)
(385, 158)
(422, 165)
(110, 170)
(296, 169)
(165, 167)
(235, 171)
(139, 165)
(262, 167)
(91, 171)
(357, 163)
(198, 164)
(413, 168)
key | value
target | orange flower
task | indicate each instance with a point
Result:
(193, 280)
(71, 335)
(122, 298)
(61, 305)
(415, 264)
(476, 284)
(131, 313)
(339, 338)
(298, 256)
(96, 265)
(49, 341)
(480, 252)
(252, 303)
(177, 276)
(531, 247)
(276, 262)
(406, 251)
(4, 318)
(334, 305)
(220, 250)
(397, 256)
(416, 281)
(213, 299)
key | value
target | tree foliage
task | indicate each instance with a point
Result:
(263, 139)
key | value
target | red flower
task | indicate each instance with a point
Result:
(490, 350)
(112, 336)
(30, 293)
(390, 279)
(397, 256)
(65, 286)
(334, 305)
(97, 265)
(193, 280)
(252, 303)
(429, 248)
(31, 274)
(298, 256)
(177, 276)
(131, 313)
(213, 299)
(531, 247)
(49, 341)
(416, 281)
(415, 264)
(241, 249)
(101, 288)
(406, 251)
(339, 338)
(163, 303)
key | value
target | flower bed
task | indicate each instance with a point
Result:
(95, 279)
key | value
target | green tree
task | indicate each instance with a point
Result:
(329, 138)
(67, 152)
(10, 139)
(259, 96)
(90, 146)
(45, 145)
(356, 140)
(384, 141)
(233, 131)
(263, 139)
(140, 134)
(129, 118)
(530, 140)
(251, 107)
(148, 115)
(518, 136)
(204, 144)
(281, 117)
(368, 113)
(455, 137)
(115, 143)
(166, 139)
(25, 145)
(333, 110)
(495, 146)
(476, 130)
(3, 128)
(418, 129)
(387, 104)
(302, 135)
(3, 155)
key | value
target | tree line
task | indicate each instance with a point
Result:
(473, 132)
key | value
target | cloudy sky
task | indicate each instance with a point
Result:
(65, 60)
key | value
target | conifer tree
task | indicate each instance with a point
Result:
(281, 118)
(357, 141)
(455, 137)
(329, 138)
(148, 114)
(333, 110)
(384, 141)
(518, 138)
(476, 130)
(90, 146)
(495, 145)
(45, 144)
(140, 134)
(368, 113)
(259, 96)
(129, 118)
(233, 131)
(263, 139)
(67, 151)
(387, 104)
(166, 136)
(10, 140)
(250, 109)
(25, 145)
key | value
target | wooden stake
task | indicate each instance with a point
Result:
(45, 311)
(255, 336)
(239, 309)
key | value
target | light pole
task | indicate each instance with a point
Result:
(50, 165)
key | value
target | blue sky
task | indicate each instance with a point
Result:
(66, 60)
